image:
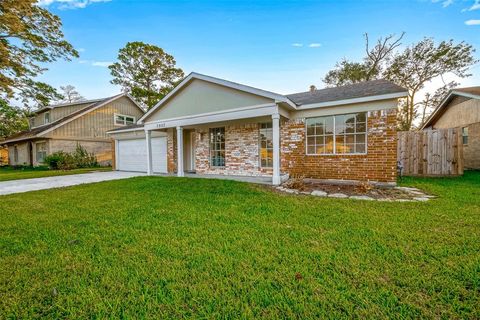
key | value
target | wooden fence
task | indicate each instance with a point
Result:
(430, 153)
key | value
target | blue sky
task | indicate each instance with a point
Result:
(282, 46)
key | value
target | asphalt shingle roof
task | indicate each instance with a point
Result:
(357, 90)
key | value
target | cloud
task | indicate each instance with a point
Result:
(314, 45)
(298, 45)
(69, 4)
(472, 22)
(103, 64)
(445, 3)
(475, 6)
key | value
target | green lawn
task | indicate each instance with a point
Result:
(9, 173)
(158, 247)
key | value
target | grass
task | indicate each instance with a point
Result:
(164, 247)
(10, 173)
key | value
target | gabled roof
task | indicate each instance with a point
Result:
(365, 89)
(259, 92)
(67, 104)
(40, 131)
(469, 92)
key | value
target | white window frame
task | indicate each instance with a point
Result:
(260, 144)
(36, 151)
(334, 137)
(115, 115)
(465, 136)
(45, 117)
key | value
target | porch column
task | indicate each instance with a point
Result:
(180, 152)
(276, 149)
(148, 136)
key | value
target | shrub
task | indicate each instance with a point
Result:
(80, 158)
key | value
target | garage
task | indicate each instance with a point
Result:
(132, 155)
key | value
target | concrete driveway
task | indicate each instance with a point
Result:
(25, 185)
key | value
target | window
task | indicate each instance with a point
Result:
(341, 134)
(465, 135)
(15, 154)
(217, 147)
(266, 145)
(47, 117)
(32, 122)
(123, 120)
(41, 151)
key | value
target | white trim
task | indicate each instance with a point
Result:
(115, 115)
(232, 114)
(334, 135)
(148, 139)
(276, 180)
(180, 171)
(259, 92)
(444, 101)
(125, 130)
(352, 101)
(116, 155)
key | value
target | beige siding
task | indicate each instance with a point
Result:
(95, 124)
(23, 154)
(471, 150)
(202, 97)
(459, 114)
(101, 149)
(58, 113)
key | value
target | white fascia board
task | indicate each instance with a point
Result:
(227, 115)
(125, 130)
(259, 92)
(353, 101)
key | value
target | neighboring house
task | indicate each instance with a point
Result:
(461, 109)
(208, 125)
(61, 127)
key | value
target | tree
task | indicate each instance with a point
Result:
(432, 100)
(372, 66)
(70, 94)
(12, 119)
(422, 62)
(29, 36)
(145, 71)
(412, 69)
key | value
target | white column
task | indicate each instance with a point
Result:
(180, 152)
(276, 149)
(116, 155)
(148, 136)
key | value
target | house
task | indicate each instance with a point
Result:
(61, 127)
(210, 126)
(461, 109)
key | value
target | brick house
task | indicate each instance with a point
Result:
(61, 127)
(210, 126)
(461, 109)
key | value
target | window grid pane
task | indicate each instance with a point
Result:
(341, 134)
(266, 145)
(217, 147)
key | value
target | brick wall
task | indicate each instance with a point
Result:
(471, 151)
(379, 164)
(241, 151)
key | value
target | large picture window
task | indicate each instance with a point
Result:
(341, 134)
(217, 147)
(266, 145)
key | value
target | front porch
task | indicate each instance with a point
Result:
(243, 147)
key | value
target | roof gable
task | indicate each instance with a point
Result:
(220, 94)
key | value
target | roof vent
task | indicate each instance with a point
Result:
(313, 88)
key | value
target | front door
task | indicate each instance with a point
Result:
(189, 151)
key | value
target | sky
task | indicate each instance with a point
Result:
(281, 46)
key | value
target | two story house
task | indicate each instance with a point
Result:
(61, 127)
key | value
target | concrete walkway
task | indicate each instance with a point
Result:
(25, 185)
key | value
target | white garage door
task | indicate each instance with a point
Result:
(132, 155)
